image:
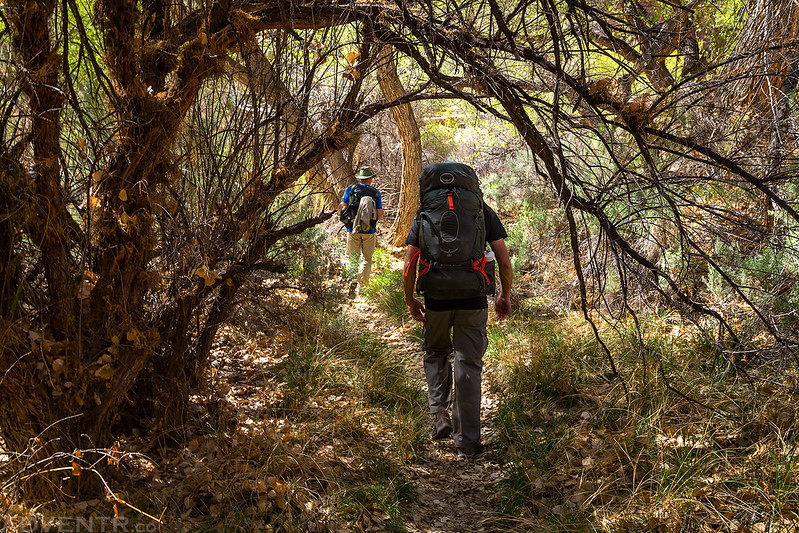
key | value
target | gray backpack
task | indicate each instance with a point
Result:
(366, 216)
(452, 234)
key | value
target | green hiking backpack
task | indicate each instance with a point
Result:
(452, 234)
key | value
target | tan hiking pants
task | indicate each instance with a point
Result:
(362, 243)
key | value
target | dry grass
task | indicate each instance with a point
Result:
(307, 424)
(694, 447)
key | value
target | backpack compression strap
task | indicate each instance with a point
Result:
(479, 265)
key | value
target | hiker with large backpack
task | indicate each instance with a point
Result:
(360, 209)
(447, 263)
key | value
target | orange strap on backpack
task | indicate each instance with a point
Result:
(417, 256)
(480, 266)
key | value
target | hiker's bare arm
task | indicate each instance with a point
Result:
(415, 307)
(502, 302)
(379, 214)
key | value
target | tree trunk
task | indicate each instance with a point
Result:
(50, 223)
(343, 173)
(260, 74)
(408, 130)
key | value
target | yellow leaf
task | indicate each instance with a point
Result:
(352, 57)
(211, 278)
(202, 272)
(333, 128)
(105, 372)
(351, 73)
(47, 345)
(123, 195)
(75, 466)
(207, 274)
(115, 454)
(133, 334)
(93, 202)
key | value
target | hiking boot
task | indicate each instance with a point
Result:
(442, 425)
(470, 454)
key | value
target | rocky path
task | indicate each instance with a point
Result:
(454, 495)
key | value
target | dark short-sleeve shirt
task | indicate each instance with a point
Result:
(494, 231)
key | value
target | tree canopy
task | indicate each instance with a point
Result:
(157, 155)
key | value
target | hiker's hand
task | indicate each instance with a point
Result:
(417, 310)
(502, 306)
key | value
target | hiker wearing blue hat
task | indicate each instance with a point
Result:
(360, 209)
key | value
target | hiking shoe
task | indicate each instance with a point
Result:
(469, 454)
(442, 426)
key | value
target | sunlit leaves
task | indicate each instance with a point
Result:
(207, 275)
(352, 71)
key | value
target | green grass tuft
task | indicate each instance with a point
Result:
(385, 290)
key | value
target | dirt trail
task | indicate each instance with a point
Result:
(454, 495)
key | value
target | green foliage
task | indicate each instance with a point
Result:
(559, 444)
(438, 136)
(381, 259)
(310, 368)
(333, 357)
(314, 264)
(336, 355)
(768, 275)
(385, 290)
(535, 359)
(526, 237)
(517, 185)
(384, 379)
(773, 273)
(719, 24)
(385, 497)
